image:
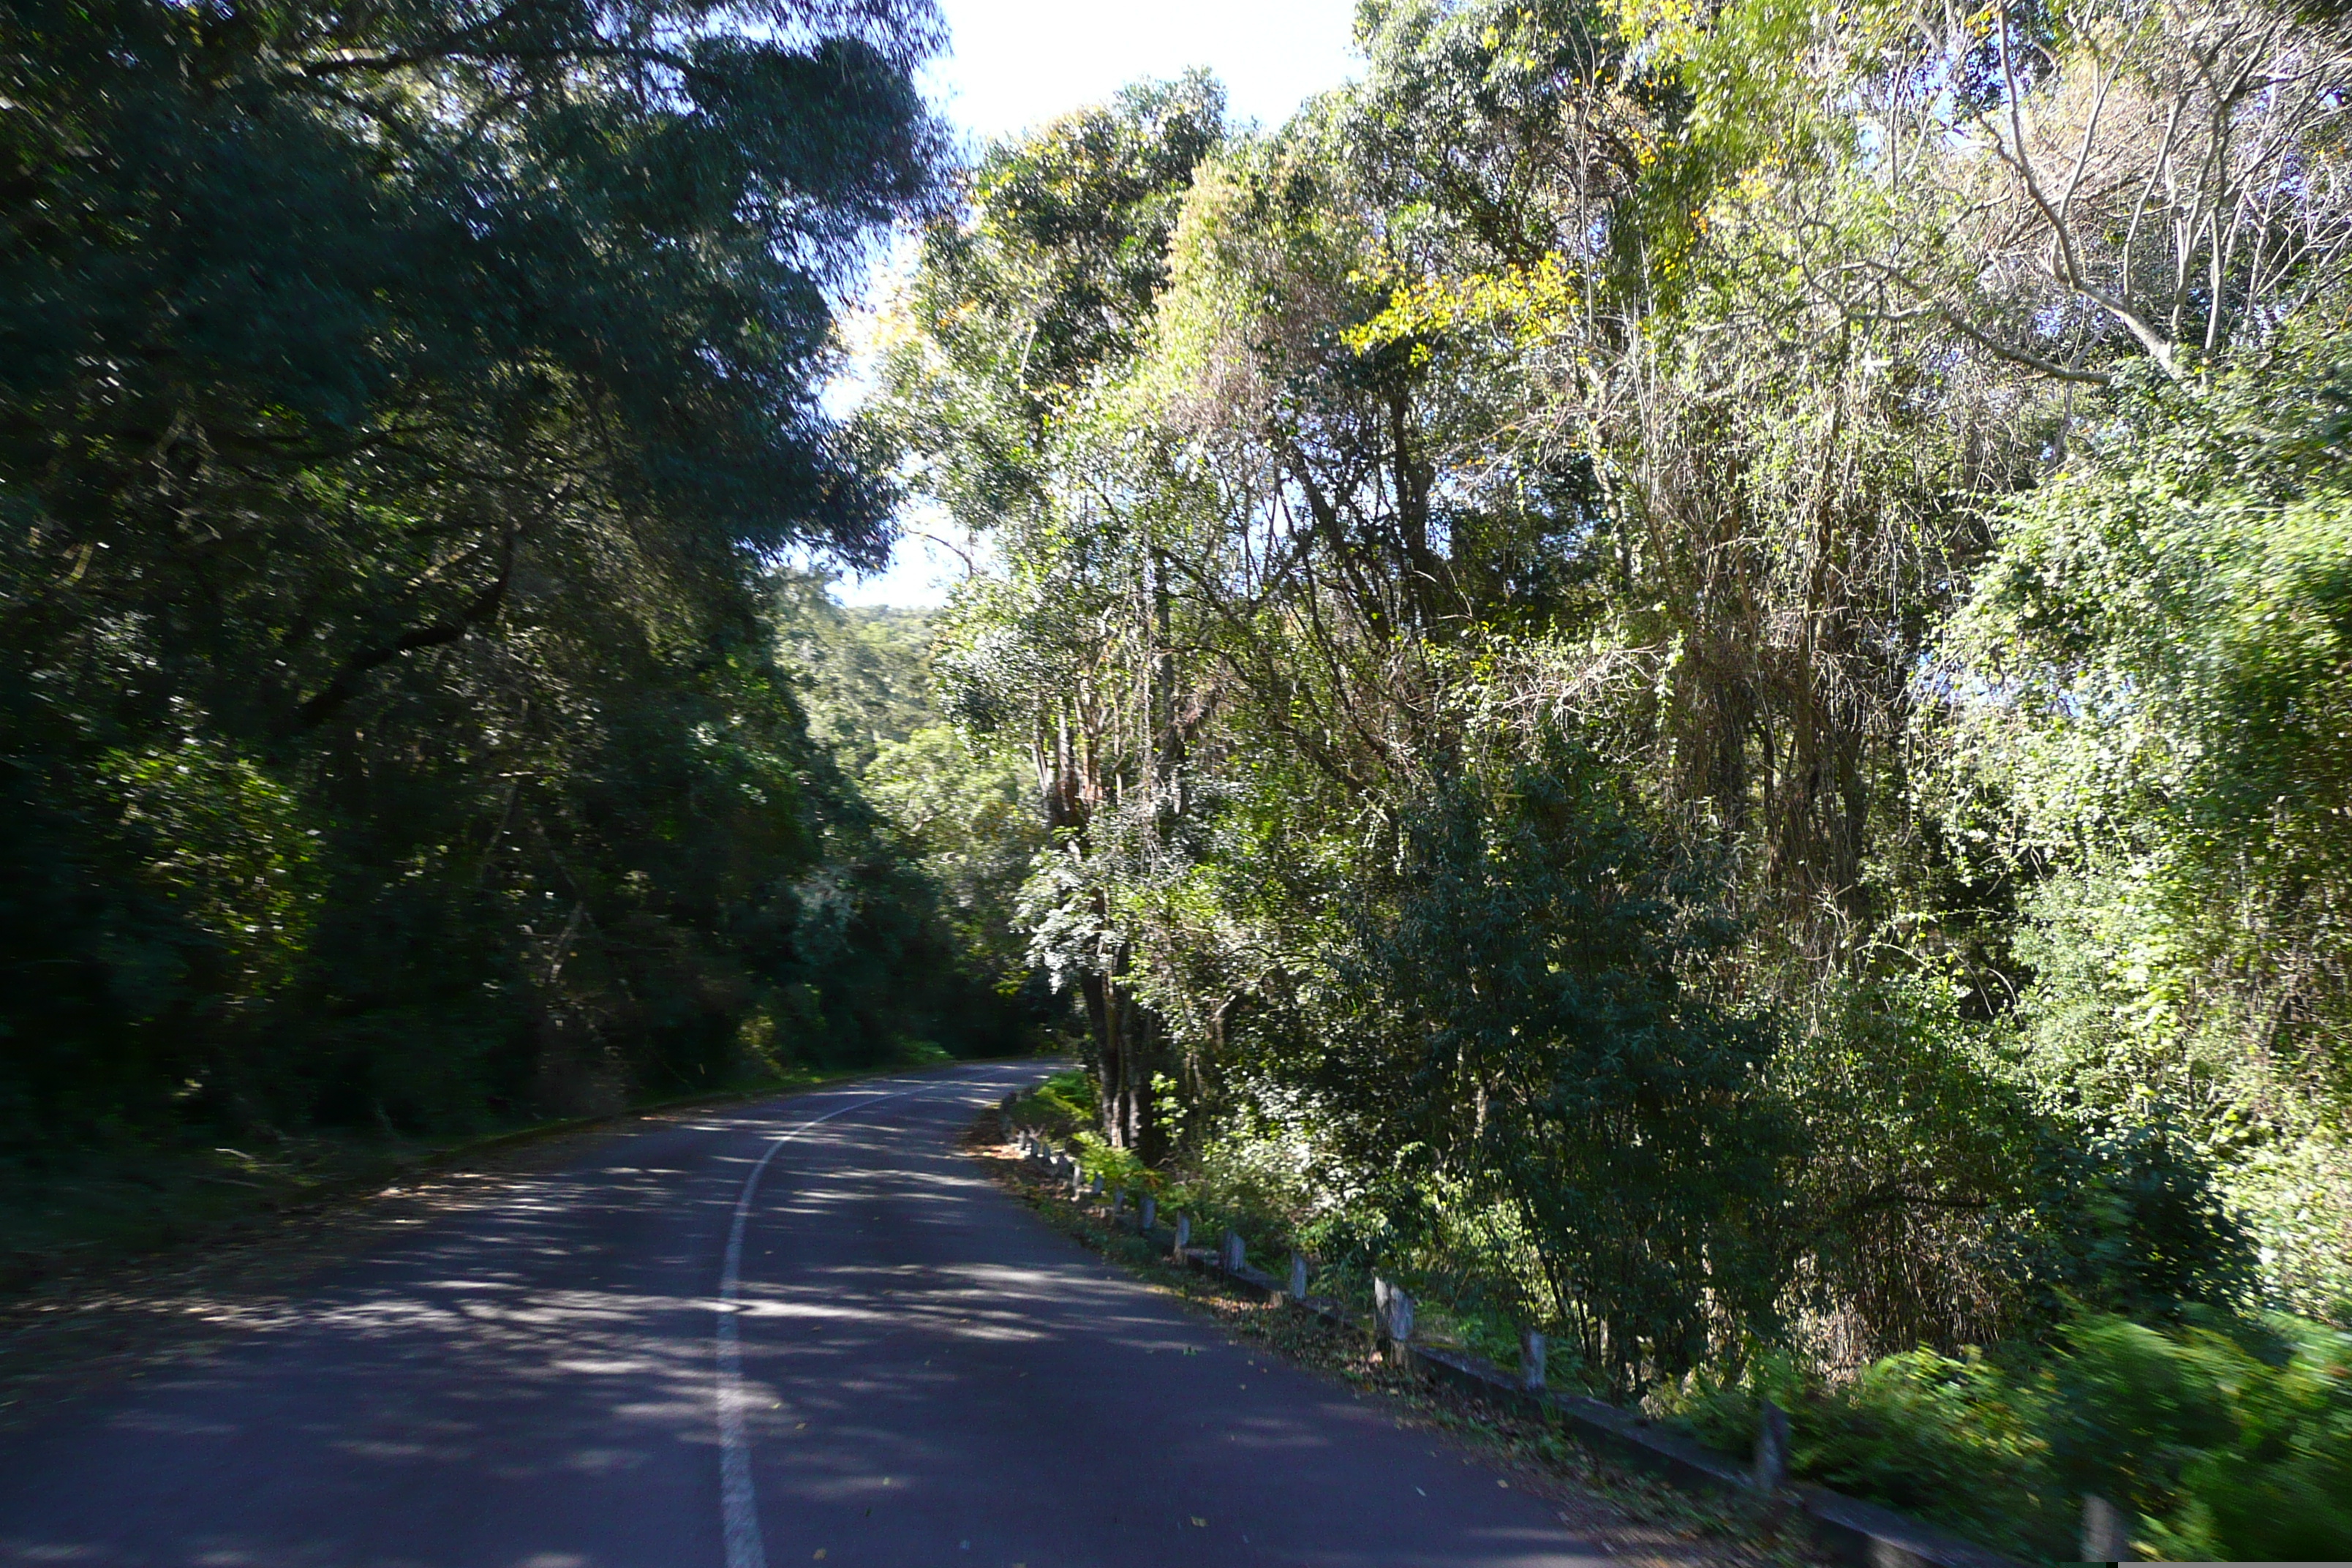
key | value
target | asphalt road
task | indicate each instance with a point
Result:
(908, 1369)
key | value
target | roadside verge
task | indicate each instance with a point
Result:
(109, 1315)
(1639, 1518)
(1810, 1518)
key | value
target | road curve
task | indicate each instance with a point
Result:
(919, 1373)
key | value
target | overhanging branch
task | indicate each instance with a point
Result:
(481, 609)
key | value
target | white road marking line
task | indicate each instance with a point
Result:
(739, 1506)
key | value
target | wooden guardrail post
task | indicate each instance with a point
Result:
(2104, 1538)
(1150, 1213)
(1297, 1277)
(1771, 1447)
(1183, 1236)
(1531, 1361)
(1392, 1322)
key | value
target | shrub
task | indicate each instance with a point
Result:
(1119, 1168)
(1062, 1105)
(2226, 1439)
(1954, 1441)
(2231, 1440)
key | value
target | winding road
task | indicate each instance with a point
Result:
(806, 1330)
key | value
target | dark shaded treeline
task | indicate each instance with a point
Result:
(397, 404)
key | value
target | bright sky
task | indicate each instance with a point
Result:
(1019, 63)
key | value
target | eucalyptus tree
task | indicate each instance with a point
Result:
(2001, 227)
(1788, 487)
(1416, 900)
(1024, 308)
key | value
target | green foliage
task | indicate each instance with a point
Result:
(2161, 641)
(397, 407)
(229, 849)
(2228, 1439)
(1069, 1094)
(1667, 703)
(1941, 1436)
(1081, 215)
(1035, 297)
(1120, 1169)
(1958, 1440)
(1064, 1104)
(966, 814)
(2129, 1220)
(956, 813)
(866, 671)
(1020, 316)
(1549, 1051)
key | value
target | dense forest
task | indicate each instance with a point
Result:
(412, 722)
(1689, 667)
(1682, 672)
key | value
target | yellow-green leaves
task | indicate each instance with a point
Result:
(1525, 305)
(233, 848)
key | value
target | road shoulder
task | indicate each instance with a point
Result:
(74, 1333)
(1636, 1519)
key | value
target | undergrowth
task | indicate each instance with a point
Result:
(2222, 1438)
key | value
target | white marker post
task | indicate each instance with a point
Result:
(1392, 1322)
(1771, 1447)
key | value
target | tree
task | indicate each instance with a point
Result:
(1016, 316)
(2148, 687)
(1544, 1054)
(394, 403)
(1547, 472)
